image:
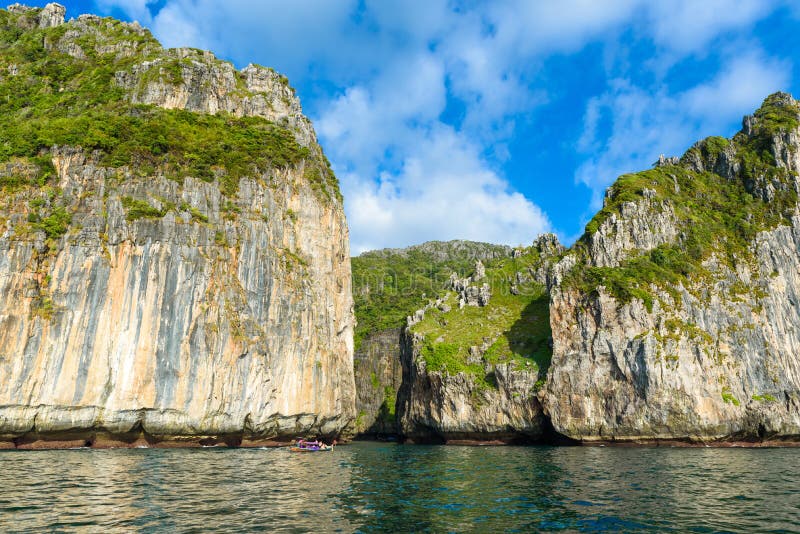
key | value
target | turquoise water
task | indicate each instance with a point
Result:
(373, 487)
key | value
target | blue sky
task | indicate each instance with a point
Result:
(494, 121)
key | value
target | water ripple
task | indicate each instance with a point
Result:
(386, 487)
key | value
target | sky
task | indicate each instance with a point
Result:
(497, 120)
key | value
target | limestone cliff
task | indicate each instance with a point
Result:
(389, 285)
(675, 316)
(174, 258)
(475, 359)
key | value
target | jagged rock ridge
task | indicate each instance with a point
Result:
(675, 316)
(475, 359)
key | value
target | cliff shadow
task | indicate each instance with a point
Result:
(530, 336)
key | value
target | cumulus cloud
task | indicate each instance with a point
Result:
(364, 124)
(564, 26)
(135, 9)
(432, 182)
(175, 28)
(738, 88)
(442, 191)
(628, 127)
(416, 101)
(688, 26)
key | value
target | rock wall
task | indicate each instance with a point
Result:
(640, 225)
(378, 375)
(440, 407)
(487, 400)
(200, 82)
(716, 366)
(218, 319)
(388, 286)
(715, 357)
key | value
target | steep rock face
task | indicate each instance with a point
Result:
(690, 330)
(388, 286)
(437, 406)
(195, 80)
(378, 375)
(138, 300)
(639, 225)
(472, 372)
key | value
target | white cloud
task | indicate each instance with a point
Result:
(417, 93)
(689, 26)
(437, 185)
(644, 123)
(175, 28)
(640, 124)
(546, 27)
(443, 191)
(738, 88)
(364, 123)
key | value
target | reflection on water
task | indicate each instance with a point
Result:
(387, 487)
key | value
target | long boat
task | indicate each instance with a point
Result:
(304, 446)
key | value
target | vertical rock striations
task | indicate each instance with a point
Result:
(378, 377)
(174, 258)
(675, 316)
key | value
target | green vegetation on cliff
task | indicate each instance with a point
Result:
(718, 209)
(137, 209)
(55, 224)
(48, 98)
(389, 285)
(777, 114)
(511, 328)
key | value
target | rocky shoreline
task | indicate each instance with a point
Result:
(101, 442)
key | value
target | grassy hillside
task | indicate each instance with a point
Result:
(719, 215)
(48, 98)
(389, 285)
(514, 328)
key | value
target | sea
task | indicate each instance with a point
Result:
(387, 487)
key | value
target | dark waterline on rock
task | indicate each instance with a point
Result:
(388, 487)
